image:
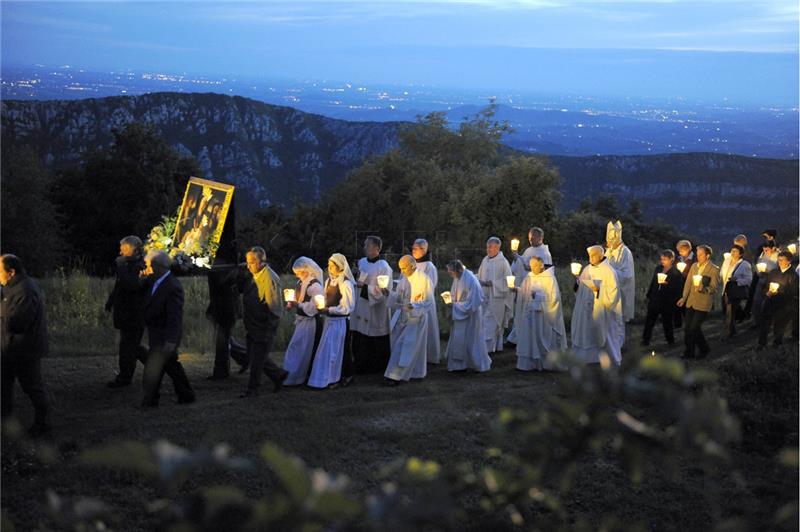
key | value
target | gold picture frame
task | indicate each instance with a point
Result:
(202, 216)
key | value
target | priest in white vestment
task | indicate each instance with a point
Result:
(409, 355)
(597, 324)
(621, 259)
(420, 252)
(370, 320)
(520, 267)
(498, 299)
(540, 323)
(466, 348)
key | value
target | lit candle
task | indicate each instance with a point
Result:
(727, 255)
(383, 281)
(447, 298)
(576, 268)
(697, 279)
(773, 288)
(662, 278)
(761, 267)
(288, 295)
(510, 280)
(792, 248)
(515, 244)
(681, 266)
(319, 301)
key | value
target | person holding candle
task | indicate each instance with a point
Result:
(621, 259)
(370, 320)
(307, 322)
(262, 303)
(736, 282)
(498, 300)
(780, 293)
(520, 267)
(412, 301)
(698, 297)
(766, 262)
(683, 263)
(419, 250)
(540, 325)
(466, 348)
(598, 327)
(662, 295)
(333, 360)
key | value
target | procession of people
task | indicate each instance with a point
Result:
(361, 320)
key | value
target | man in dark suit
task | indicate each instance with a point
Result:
(126, 301)
(263, 305)
(664, 292)
(163, 316)
(780, 301)
(23, 331)
(224, 308)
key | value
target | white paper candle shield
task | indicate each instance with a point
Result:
(319, 301)
(510, 280)
(792, 248)
(662, 278)
(383, 281)
(447, 297)
(288, 295)
(697, 279)
(514, 244)
(761, 267)
(576, 268)
(681, 266)
(773, 288)
(727, 255)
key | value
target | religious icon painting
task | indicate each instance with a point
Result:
(201, 219)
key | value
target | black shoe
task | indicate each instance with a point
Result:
(347, 381)
(216, 377)
(278, 384)
(117, 383)
(39, 430)
(189, 399)
(391, 382)
(250, 392)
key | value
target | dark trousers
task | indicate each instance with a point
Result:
(348, 361)
(693, 332)
(130, 350)
(733, 311)
(258, 348)
(677, 316)
(28, 371)
(667, 321)
(779, 317)
(158, 363)
(227, 348)
(371, 353)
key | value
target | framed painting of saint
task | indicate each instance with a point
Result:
(201, 218)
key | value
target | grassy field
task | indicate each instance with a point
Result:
(359, 429)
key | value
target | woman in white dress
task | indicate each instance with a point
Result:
(307, 321)
(333, 360)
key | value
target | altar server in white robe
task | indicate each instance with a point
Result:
(597, 323)
(521, 266)
(466, 348)
(370, 320)
(307, 321)
(420, 252)
(540, 324)
(333, 360)
(409, 335)
(498, 299)
(621, 259)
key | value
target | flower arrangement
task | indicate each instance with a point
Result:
(191, 254)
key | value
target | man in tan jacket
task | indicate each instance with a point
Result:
(698, 298)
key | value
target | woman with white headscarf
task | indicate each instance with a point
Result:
(307, 322)
(333, 360)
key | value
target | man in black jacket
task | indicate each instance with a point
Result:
(163, 315)
(780, 301)
(664, 292)
(224, 308)
(126, 301)
(23, 330)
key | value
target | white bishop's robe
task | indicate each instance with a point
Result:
(410, 328)
(466, 347)
(498, 300)
(540, 324)
(434, 342)
(621, 259)
(597, 323)
(520, 268)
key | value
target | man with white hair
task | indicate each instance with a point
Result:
(621, 259)
(498, 301)
(163, 316)
(521, 267)
(598, 329)
(466, 348)
(420, 252)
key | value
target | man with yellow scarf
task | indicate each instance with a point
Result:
(262, 304)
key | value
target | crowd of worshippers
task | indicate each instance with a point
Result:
(360, 320)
